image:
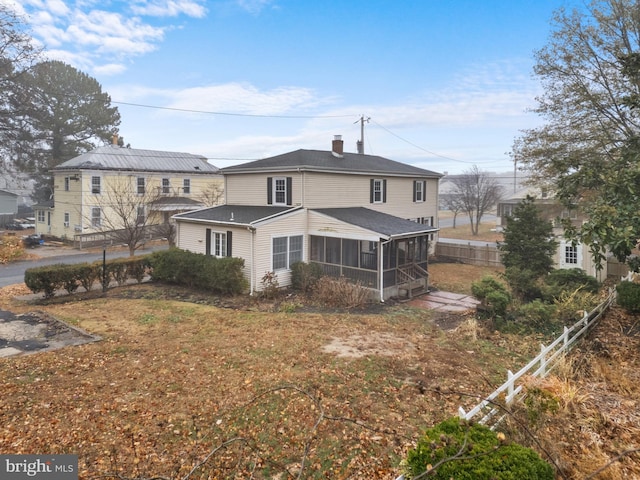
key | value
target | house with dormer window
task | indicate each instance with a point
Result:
(364, 217)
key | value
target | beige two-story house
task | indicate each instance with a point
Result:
(363, 217)
(102, 189)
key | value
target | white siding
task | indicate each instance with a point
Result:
(192, 237)
(251, 188)
(290, 225)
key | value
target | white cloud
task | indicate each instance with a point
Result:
(255, 6)
(170, 8)
(99, 40)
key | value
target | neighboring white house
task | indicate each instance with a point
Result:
(568, 255)
(363, 217)
(8, 206)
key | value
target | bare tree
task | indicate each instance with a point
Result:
(453, 203)
(125, 211)
(212, 195)
(477, 193)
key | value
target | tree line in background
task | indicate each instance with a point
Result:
(50, 112)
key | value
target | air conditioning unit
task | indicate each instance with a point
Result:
(78, 228)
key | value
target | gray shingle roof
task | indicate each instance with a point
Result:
(318, 160)
(234, 214)
(113, 157)
(382, 223)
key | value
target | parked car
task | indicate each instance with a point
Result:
(15, 226)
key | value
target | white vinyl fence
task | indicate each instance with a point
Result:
(486, 411)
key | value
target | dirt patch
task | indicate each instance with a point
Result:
(376, 343)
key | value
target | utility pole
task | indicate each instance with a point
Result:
(360, 143)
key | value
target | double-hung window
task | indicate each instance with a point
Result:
(141, 215)
(186, 186)
(166, 186)
(286, 251)
(96, 215)
(66, 184)
(571, 254)
(378, 191)
(95, 185)
(419, 190)
(141, 185)
(67, 219)
(279, 190)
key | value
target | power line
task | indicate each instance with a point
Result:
(207, 112)
(424, 149)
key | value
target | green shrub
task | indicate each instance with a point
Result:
(304, 276)
(628, 296)
(45, 279)
(87, 275)
(537, 316)
(194, 270)
(493, 294)
(463, 451)
(525, 284)
(561, 280)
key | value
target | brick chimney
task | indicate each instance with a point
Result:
(114, 139)
(337, 146)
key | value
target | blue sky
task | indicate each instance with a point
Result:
(446, 84)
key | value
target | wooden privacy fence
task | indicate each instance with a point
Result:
(487, 412)
(485, 255)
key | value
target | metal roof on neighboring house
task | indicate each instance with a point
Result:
(114, 157)
(319, 160)
(234, 214)
(6, 192)
(382, 223)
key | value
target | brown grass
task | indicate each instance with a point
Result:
(173, 381)
(458, 278)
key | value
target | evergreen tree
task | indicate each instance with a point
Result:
(68, 114)
(527, 249)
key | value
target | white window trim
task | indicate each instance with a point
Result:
(67, 219)
(380, 182)
(168, 187)
(186, 185)
(93, 218)
(275, 191)
(420, 194)
(288, 262)
(222, 251)
(144, 185)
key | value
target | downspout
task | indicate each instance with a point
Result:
(381, 269)
(252, 270)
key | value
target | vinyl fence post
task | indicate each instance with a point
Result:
(509, 387)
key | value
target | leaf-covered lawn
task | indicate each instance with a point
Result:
(180, 389)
